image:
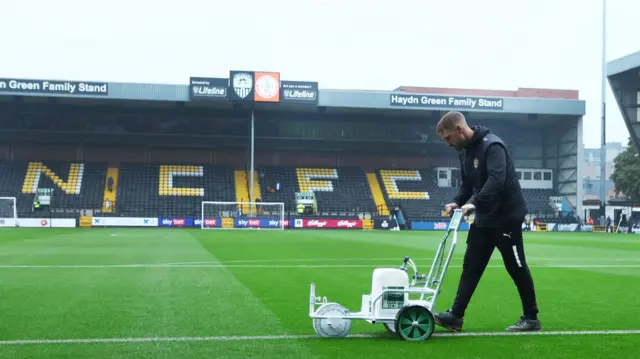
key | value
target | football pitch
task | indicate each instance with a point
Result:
(190, 293)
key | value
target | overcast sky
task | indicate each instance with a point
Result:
(342, 44)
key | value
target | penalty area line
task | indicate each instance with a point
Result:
(298, 337)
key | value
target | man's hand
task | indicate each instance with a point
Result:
(467, 209)
(450, 207)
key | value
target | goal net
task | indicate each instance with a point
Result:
(8, 212)
(242, 215)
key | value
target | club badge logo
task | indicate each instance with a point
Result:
(242, 84)
(267, 86)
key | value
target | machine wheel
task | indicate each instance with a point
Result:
(414, 323)
(333, 327)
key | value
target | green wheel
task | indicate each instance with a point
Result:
(414, 323)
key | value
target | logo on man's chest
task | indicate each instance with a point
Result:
(475, 163)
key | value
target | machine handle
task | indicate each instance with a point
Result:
(404, 265)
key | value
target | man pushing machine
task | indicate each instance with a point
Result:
(491, 189)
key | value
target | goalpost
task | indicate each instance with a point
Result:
(8, 212)
(242, 215)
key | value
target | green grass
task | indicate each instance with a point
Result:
(256, 283)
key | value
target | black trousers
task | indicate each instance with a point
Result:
(480, 245)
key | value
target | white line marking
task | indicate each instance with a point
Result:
(496, 258)
(399, 259)
(169, 265)
(396, 259)
(289, 337)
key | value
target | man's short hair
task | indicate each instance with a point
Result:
(449, 121)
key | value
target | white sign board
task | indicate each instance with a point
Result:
(124, 222)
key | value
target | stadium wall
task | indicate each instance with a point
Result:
(567, 164)
(352, 99)
(560, 147)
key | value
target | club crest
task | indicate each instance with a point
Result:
(267, 86)
(475, 163)
(242, 84)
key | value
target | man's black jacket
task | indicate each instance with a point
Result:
(489, 181)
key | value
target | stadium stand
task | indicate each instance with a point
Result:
(415, 192)
(12, 176)
(92, 179)
(152, 189)
(171, 190)
(538, 200)
(76, 186)
(279, 185)
(339, 191)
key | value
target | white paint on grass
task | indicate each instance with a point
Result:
(399, 259)
(564, 261)
(276, 266)
(298, 337)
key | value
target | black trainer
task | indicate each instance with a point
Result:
(449, 321)
(525, 325)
